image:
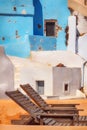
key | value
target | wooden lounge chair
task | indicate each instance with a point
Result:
(39, 115)
(69, 108)
(24, 120)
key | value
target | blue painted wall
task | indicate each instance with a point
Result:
(38, 17)
(16, 24)
(39, 43)
(22, 21)
(51, 9)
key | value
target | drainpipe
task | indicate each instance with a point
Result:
(83, 73)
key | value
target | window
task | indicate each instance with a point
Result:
(51, 27)
(40, 87)
(66, 88)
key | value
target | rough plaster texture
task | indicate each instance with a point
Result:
(26, 18)
(62, 76)
(15, 26)
(6, 73)
(50, 10)
(41, 43)
(78, 44)
(72, 33)
(39, 67)
(82, 24)
(77, 34)
(38, 72)
(82, 46)
(53, 58)
(78, 5)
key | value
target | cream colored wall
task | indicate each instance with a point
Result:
(77, 34)
(6, 74)
(39, 67)
(38, 72)
(53, 58)
(82, 46)
(72, 34)
(81, 1)
(64, 75)
(78, 5)
(78, 1)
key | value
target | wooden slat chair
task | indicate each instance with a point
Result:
(38, 114)
(25, 120)
(69, 108)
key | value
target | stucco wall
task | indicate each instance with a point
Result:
(82, 46)
(19, 19)
(78, 5)
(16, 24)
(77, 41)
(37, 72)
(6, 74)
(58, 10)
(72, 30)
(38, 43)
(63, 75)
(50, 9)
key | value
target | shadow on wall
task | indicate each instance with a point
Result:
(38, 18)
(6, 74)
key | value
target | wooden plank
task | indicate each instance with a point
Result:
(37, 98)
(52, 122)
(16, 94)
(76, 124)
(63, 105)
(86, 118)
(13, 92)
(36, 112)
(17, 122)
(62, 108)
(48, 120)
(19, 97)
(57, 115)
(23, 121)
(23, 116)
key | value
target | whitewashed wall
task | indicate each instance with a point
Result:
(82, 46)
(72, 34)
(6, 74)
(77, 44)
(39, 67)
(36, 72)
(64, 75)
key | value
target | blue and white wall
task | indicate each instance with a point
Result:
(51, 9)
(22, 25)
(16, 24)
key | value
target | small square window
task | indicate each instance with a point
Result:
(40, 87)
(66, 88)
(51, 27)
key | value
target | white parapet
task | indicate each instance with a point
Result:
(6, 74)
(82, 44)
(72, 34)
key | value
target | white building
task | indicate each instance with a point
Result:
(41, 73)
(6, 73)
(77, 22)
